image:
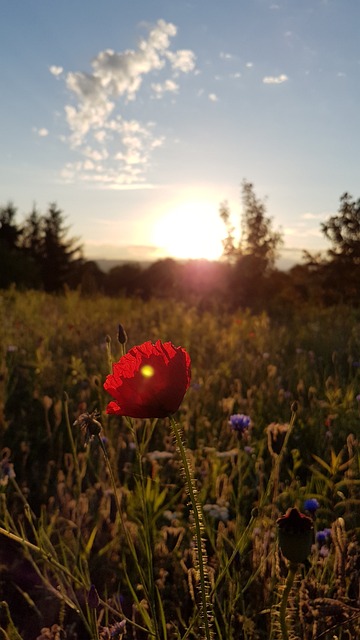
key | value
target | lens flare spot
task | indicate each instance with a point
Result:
(147, 371)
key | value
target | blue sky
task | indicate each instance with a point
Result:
(140, 118)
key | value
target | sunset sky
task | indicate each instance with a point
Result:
(140, 117)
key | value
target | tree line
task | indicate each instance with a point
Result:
(40, 255)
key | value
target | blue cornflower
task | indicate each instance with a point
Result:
(239, 422)
(311, 505)
(322, 537)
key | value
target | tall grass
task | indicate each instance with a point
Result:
(104, 538)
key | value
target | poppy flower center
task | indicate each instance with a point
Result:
(147, 371)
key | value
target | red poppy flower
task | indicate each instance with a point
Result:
(296, 532)
(149, 381)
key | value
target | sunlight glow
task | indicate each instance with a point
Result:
(190, 230)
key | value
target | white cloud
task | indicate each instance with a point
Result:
(42, 133)
(97, 129)
(56, 71)
(100, 136)
(275, 79)
(225, 56)
(300, 230)
(182, 60)
(167, 86)
(213, 97)
(249, 65)
(95, 154)
(315, 216)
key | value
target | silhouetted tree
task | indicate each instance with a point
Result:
(32, 234)
(123, 279)
(9, 231)
(15, 266)
(204, 284)
(343, 230)
(161, 279)
(60, 257)
(230, 250)
(254, 257)
(258, 238)
(341, 273)
(89, 277)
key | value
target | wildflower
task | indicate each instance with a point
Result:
(149, 381)
(311, 505)
(249, 450)
(295, 535)
(324, 536)
(116, 631)
(239, 422)
(217, 511)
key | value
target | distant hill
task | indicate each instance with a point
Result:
(284, 263)
(105, 264)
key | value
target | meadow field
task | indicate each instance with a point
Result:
(169, 528)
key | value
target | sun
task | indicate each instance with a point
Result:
(190, 230)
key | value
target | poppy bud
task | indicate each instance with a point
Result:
(296, 534)
(295, 406)
(122, 336)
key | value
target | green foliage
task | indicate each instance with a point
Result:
(343, 230)
(253, 259)
(67, 522)
(258, 239)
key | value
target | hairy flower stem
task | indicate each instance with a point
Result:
(284, 600)
(201, 554)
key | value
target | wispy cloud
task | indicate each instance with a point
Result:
(275, 79)
(142, 253)
(56, 71)
(226, 56)
(168, 86)
(42, 133)
(297, 232)
(315, 216)
(115, 151)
